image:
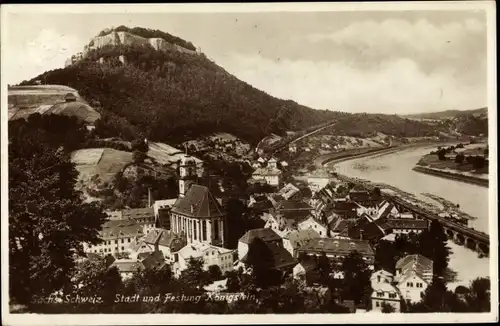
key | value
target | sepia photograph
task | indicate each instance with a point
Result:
(246, 163)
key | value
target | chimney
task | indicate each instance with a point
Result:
(149, 196)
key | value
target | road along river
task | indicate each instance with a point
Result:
(395, 169)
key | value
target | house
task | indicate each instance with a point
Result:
(128, 267)
(296, 239)
(292, 148)
(404, 226)
(265, 234)
(281, 258)
(161, 210)
(269, 175)
(295, 210)
(318, 180)
(345, 209)
(362, 197)
(385, 210)
(260, 204)
(384, 292)
(314, 224)
(337, 249)
(288, 191)
(116, 237)
(364, 229)
(279, 224)
(338, 227)
(413, 276)
(159, 240)
(209, 254)
(143, 216)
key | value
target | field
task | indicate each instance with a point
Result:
(104, 162)
(165, 154)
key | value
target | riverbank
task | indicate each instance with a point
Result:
(452, 176)
(366, 152)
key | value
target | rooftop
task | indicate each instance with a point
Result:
(165, 238)
(138, 213)
(298, 238)
(338, 246)
(265, 234)
(198, 203)
(115, 229)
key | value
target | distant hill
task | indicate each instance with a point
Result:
(173, 93)
(448, 114)
(467, 122)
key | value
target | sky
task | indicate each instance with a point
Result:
(377, 62)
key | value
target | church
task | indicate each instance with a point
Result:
(197, 213)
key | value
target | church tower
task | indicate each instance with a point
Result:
(187, 173)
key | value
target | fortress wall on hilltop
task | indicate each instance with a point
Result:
(131, 39)
(109, 39)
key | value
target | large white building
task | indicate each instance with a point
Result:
(116, 237)
(269, 174)
(384, 292)
(211, 255)
(413, 276)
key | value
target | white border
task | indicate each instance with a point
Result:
(33, 319)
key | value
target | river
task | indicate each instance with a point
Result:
(395, 169)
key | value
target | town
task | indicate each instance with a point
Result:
(144, 178)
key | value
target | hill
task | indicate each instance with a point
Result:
(449, 114)
(170, 95)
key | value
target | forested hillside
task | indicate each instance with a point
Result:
(175, 96)
(171, 96)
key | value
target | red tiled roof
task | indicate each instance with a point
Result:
(198, 203)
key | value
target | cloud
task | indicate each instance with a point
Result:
(46, 51)
(430, 45)
(395, 86)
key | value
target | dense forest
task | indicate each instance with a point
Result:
(175, 96)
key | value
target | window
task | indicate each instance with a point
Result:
(116, 241)
(392, 295)
(407, 283)
(378, 278)
(123, 240)
(129, 240)
(377, 304)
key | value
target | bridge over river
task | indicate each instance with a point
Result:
(461, 234)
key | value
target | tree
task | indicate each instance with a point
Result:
(459, 158)
(214, 273)
(437, 298)
(45, 226)
(356, 284)
(261, 261)
(433, 245)
(324, 268)
(387, 308)
(139, 156)
(194, 274)
(478, 297)
(93, 277)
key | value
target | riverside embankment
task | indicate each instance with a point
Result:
(452, 176)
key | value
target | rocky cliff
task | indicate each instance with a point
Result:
(115, 38)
